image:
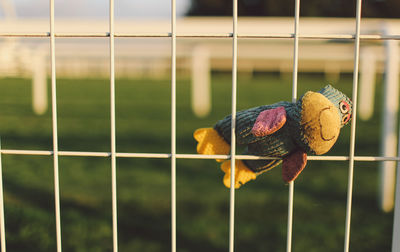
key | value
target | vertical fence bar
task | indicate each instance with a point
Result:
(233, 127)
(2, 220)
(353, 127)
(173, 125)
(294, 98)
(295, 49)
(290, 218)
(113, 136)
(55, 127)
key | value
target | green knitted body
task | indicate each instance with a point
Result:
(278, 144)
(286, 140)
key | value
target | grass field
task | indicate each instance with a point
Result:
(143, 125)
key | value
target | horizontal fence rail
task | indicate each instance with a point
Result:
(205, 35)
(185, 156)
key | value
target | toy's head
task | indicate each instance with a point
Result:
(323, 114)
(341, 101)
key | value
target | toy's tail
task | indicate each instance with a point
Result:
(242, 173)
(210, 142)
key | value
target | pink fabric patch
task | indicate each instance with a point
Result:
(269, 121)
(293, 165)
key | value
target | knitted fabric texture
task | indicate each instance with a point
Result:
(300, 131)
(278, 144)
(337, 97)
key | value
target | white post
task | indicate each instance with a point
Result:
(201, 92)
(390, 111)
(39, 83)
(367, 83)
(8, 9)
(332, 71)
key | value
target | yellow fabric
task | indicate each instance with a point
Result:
(242, 173)
(210, 142)
(321, 122)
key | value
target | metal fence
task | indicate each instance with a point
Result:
(173, 155)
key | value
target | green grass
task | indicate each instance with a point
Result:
(143, 125)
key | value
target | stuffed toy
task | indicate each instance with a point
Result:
(286, 131)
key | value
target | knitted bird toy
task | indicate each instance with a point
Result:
(285, 130)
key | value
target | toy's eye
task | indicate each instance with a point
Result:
(346, 119)
(344, 107)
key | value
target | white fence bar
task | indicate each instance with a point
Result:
(113, 135)
(233, 127)
(2, 219)
(185, 156)
(173, 125)
(203, 35)
(289, 235)
(353, 127)
(55, 128)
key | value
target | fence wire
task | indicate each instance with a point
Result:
(55, 127)
(173, 155)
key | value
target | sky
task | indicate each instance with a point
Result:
(94, 8)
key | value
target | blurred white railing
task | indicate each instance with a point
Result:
(253, 45)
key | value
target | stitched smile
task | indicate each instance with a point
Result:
(320, 125)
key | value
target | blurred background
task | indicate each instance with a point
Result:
(204, 66)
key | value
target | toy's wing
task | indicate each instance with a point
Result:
(261, 166)
(269, 121)
(270, 149)
(264, 120)
(293, 165)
